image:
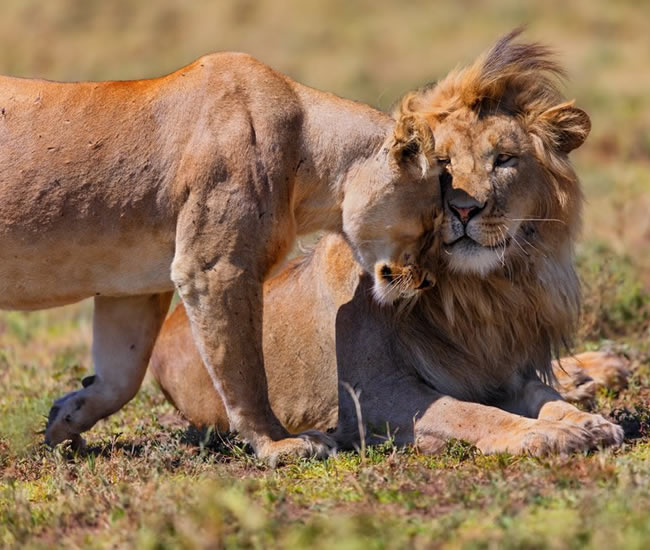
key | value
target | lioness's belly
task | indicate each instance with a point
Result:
(59, 271)
(84, 207)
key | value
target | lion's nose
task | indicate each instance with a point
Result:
(464, 213)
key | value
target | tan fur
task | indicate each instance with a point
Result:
(471, 358)
(199, 180)
(579, 378)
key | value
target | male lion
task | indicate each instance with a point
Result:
(470, 359)
(199, 180)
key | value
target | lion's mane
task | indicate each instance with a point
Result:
(481, 329)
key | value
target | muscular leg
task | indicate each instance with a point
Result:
(219, 268)
(124, 333)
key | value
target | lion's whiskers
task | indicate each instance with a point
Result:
(517, 236)
(536, 220)
(502, 256)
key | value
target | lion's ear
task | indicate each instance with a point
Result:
(565, 126)
(412, 143)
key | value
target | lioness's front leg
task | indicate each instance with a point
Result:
(541, 401)
(124, 333)
(218, 270)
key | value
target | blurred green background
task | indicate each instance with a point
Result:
(374, 51)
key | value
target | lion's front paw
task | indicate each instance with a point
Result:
(310, 443)
(540, 438)
(604, 432)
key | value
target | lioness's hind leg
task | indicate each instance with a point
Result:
(124, 332)
(581, 376)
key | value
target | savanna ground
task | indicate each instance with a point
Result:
(148, 482)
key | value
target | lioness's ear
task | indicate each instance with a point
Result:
(412, 142)
(565, 126)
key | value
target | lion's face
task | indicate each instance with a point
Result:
(498, 202)
(388, 216)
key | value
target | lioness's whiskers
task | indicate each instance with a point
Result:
(395, 282)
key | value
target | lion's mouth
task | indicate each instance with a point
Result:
(466, 243)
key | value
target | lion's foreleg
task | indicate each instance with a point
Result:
(418, 414)
(124, 333)
(494, 430)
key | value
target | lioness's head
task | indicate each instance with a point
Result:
(502, 135)
(390, 208)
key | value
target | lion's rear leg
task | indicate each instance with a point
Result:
(124, 332)
(580, 377)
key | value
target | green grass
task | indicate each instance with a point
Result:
(147, 482)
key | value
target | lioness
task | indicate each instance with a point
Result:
(471, 359)
(199, 181)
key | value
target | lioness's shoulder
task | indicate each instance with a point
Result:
(233, 59)
(223, 63)
(230, 73)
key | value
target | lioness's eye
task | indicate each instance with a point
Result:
(503, 159)
(443, 162)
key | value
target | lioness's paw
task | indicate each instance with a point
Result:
(607, 369)
(579, 388)
(581, 377)
(308, 444)
(63, 421)
(540, 438)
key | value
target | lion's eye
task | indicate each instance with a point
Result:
(504, 159)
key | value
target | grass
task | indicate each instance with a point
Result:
(148, 482)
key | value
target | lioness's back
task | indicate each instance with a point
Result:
(92, 173)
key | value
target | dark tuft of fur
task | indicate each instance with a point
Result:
(507, 56)
(512, 77)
